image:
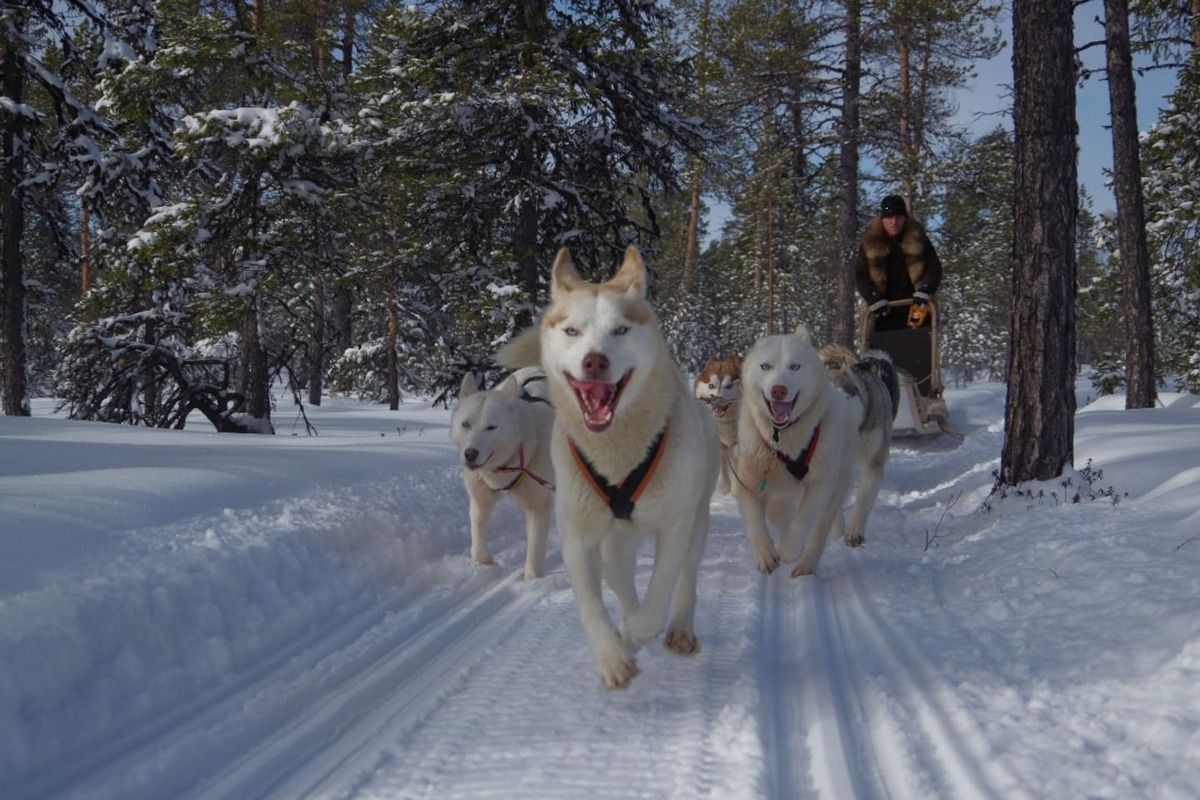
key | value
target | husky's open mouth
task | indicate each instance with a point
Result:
(781, 412)
(598, 400)
(720, 408)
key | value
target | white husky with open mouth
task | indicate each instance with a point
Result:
(796, 443)
(634, 455)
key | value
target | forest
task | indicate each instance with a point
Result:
(202, 199)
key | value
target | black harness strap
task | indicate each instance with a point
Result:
(621, 497)
(798, 466)
(530, 398)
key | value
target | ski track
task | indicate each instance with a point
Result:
(478, 744)
(958, 764)
(411, 674)
(803, 688)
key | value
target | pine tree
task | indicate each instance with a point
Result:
(1173, 223)
(975, 242)
(1039, 418)
(1131, 215)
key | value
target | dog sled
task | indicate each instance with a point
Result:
(921, 409)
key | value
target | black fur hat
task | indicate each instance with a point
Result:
(893, 206)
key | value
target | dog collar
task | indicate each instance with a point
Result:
(522, 470)
(798, 467)
(621, 498)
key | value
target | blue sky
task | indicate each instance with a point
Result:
(990, 93)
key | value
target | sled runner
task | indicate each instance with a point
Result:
(921, 410)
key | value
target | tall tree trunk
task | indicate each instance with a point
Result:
(527, 165)
(843, 327)
(393, 335)
(85, 259)
(692, 248)
(1194, 12)
(770, 261)
(349, 30)
(343, 318)
(1131, 214)
(525, 236)
(12, 273)
(907, 182)
(256, 386)
(316, 345)
(1039, 415)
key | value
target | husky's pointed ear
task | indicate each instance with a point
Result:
(507, 387)
(802, 332)
(563, 276)
(468, 387)
(631, 277)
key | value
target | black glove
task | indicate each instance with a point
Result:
(920, 298)
(880, 308)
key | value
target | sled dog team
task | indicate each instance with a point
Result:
(598, 420)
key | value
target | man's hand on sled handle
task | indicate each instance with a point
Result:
(523, 350)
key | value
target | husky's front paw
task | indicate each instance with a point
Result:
(682, 642)
(616, 665)
(766, 557)
(482, 558)
(804, 568)
(855, 538)
(637, 628)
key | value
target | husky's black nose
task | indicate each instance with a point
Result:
(595, 366)
(470, 455)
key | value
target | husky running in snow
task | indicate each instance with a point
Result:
(719, 384)
(871, 381)
(503, 438)
(634, 455)
(796, 440)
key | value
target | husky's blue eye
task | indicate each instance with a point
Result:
(571, 330)
(793, 367)
(621, 330)
(764, 366)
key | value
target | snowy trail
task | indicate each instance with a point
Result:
(341, 646)
(478, 743)
(800, 690)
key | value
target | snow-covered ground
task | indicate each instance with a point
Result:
(194, 615)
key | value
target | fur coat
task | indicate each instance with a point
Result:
(892, 269)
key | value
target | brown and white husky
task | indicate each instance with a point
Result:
(634, 456)
(719, 384)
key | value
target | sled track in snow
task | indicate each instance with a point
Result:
(276, 697)
(208, 708)
(806, 695)
(952, 761)
(406, 674)
(478, 740)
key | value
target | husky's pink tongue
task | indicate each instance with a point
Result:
(596, 401)
(781, 412)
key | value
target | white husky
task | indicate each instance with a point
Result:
(503, 437)
(634, 454)
(795, 450)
